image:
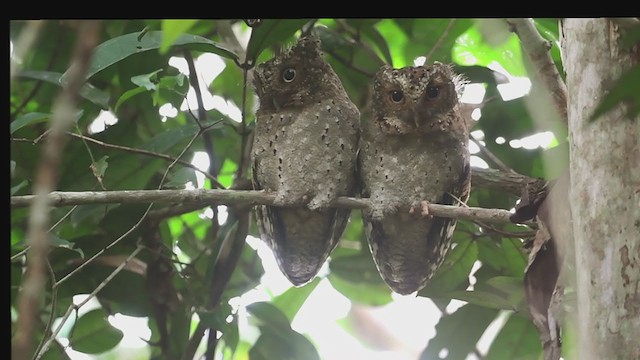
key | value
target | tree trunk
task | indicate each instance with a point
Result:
(605, 191)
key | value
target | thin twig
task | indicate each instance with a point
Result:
(357, 41)
(16, 256)
(135, 226)
(349, 64)
(494, 159)
(93, 160)
(104, 283)
(135, 252)
(511, 234)
(103, 250)
(149, 153)
(194, 342)
(537, 50)
(54, 335)
(501, 181)
(440, 40)
(195, 84)
(206, 139)
(225, 264)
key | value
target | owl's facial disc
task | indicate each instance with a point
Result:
(293, 77)
(397, 94)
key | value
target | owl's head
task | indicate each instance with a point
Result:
(416, 99)
(294, 77)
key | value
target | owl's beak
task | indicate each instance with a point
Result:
(416, 116)
(276, 105)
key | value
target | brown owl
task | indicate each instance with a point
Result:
(413, 151)
(304, 150)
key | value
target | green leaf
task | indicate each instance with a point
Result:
(290, 301)
(270, 32)
(179, 178)
(357, 268)
(364, 293)
(518, 340)
(290, 345)
(15, 189)
(165, 140)
(128, 95)
(173, 89)
(93, 334)
(177, 83)
(172, 29)
(515, 256)
(459, 332)
(216, 319)
(121, 47)
(625, 90)
(453, 274)
(87, 91)
(227, 172)
(434, 37)
(100, 166)
(374, 35)
(334, 44)
(55, 352)
(491, 295)
(269, 315)
(61, 243)
(231, 337)
(147, 81)
(471, 48)
(27, 119)
(396, 39)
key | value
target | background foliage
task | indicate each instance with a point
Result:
(130, 77)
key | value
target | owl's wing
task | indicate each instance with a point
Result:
(360, 186)
(408, 253)
(301, 239)
(442, 228)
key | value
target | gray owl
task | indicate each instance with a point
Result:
(305, 151)
(413, 151)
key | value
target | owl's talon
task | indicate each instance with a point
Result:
(424, 206)
(288, 199)
(320, 201)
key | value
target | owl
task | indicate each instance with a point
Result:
(305, 152)
(413, 151)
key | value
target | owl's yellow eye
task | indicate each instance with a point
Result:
(289, 74)
(396, 96)
(432, 92)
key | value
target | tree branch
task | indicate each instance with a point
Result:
(46, 180)
(537, 49)
(494, 159)
(239, 197)
(510, 182)
(440, 40)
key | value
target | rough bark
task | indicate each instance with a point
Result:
(605, 192)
